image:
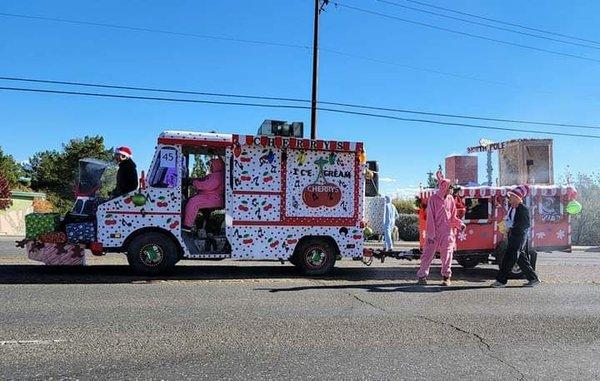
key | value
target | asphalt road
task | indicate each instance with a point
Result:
(247, 320)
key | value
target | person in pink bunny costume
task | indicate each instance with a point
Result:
(442, 223)
(209, 193)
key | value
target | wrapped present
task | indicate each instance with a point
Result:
(81, 232)
(40, 223)
(53, 237)
(56, 254)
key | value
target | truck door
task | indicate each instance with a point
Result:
(254, 190)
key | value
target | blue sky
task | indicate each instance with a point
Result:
(512, 82)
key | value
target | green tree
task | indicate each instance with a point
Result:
(199, 168)
(5, 200)
(586, 225)
(10, 169)
(431, 180)
(55, 172)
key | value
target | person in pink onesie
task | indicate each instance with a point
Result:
(442, 223)
(209, 193)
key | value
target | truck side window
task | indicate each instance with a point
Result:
(164, 173)
(477, 208)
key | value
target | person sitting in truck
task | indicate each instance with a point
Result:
(127, 177)
(209, 194)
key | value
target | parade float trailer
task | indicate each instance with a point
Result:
(483, 210)
(286, 198)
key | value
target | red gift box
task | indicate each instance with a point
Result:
(56, 254)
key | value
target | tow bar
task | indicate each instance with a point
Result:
(369, 254)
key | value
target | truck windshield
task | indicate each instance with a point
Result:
(164, 174)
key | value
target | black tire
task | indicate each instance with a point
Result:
(315, 256)
(162, 248)
(516, 272)
(469, 262)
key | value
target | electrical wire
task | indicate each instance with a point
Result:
(502, 22)
(444, 29)
(151, 30)
(263, 105)
(489, 25)
(276, 44)
(287, 99)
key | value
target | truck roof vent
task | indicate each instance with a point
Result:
(281, 128)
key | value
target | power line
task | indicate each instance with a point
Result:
(375, 13)
(288, 99)
(149, 89)
(489, 25)
(502, 22)
(263, 105)
(276, 44)
(159, 31)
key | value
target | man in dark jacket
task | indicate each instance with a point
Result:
(518, 222)
(127, 178)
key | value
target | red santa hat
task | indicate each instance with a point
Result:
(520, 191)
(125, 151)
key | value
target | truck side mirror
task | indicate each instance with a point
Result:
(143, 180)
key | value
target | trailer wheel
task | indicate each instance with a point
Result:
(152, 253)
(515, 272)
(468, 262)
(315, 256)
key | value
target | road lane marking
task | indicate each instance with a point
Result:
(31, 342)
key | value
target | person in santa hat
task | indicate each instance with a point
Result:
(442, 223)
(518, 222)
(127, 177)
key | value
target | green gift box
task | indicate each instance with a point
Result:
(40, 223)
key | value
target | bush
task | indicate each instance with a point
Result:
(408, 227)
(586, 225)
(405, 206)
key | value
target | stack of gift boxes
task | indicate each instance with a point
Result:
(48, 244)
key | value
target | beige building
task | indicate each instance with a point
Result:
(12, 220)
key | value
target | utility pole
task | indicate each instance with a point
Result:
(315, 73)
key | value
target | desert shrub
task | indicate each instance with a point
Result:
(408, 227)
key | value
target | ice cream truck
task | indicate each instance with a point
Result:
(286, 198)
(483, 210)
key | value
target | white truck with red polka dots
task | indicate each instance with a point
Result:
(285, 199)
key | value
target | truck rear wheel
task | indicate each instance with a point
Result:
(315, 256)
(152, 253)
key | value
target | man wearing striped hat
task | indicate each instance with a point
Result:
(127, 178)
(518, 222)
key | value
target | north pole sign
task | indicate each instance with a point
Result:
(487, 147)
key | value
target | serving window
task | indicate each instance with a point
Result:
(477, 209)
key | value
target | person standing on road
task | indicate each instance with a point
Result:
(518, 222)
(390, 215)
(442, 223)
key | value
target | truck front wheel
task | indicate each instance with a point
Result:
(152, 253)
(315, 256)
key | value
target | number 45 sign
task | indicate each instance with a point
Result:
(167, 158)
